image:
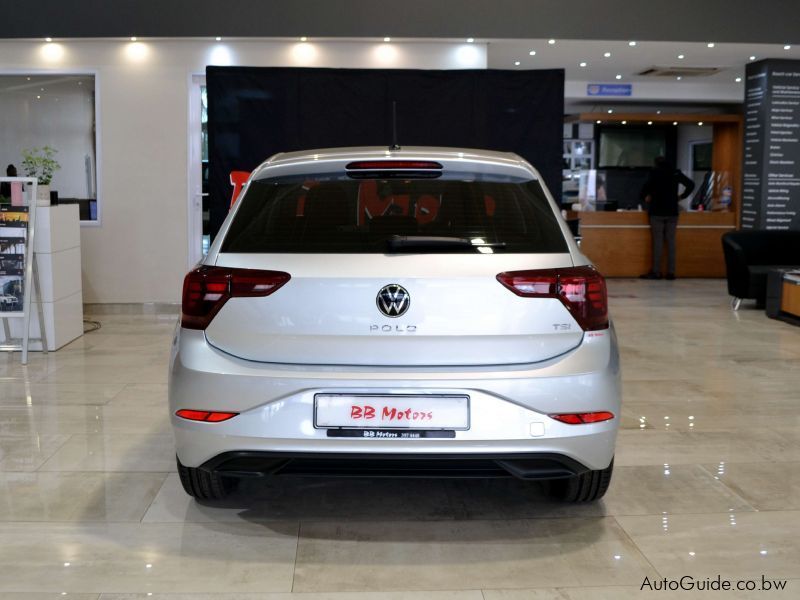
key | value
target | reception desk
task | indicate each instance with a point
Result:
(619, 242)
(58, 256)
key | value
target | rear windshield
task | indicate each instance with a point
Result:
(335, 214)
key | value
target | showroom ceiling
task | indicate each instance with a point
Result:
(768, 21)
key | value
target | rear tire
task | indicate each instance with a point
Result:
(204, 485)
(586, 487)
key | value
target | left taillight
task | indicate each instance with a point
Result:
(206, 416)
(206, 289)
(581, 289)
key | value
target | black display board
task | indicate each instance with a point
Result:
(255, 112)
(771, 187)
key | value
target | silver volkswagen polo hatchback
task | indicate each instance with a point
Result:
(419, 312)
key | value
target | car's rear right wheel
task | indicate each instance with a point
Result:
(204, 485)
(586, 487)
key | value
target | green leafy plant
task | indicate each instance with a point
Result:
(40, 163)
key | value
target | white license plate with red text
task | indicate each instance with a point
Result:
(391, 412)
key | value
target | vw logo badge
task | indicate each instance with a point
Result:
(393, 300)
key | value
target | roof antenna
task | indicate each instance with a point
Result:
(395, 145)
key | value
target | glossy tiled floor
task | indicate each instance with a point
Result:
(707, 483)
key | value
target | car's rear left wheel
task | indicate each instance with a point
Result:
(204, 485)
(586, 487)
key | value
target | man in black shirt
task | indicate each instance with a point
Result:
(660, 194)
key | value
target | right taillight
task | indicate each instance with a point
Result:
(583, 418)
(206, 289)
(581, 289)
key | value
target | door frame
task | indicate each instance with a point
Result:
(194, 171)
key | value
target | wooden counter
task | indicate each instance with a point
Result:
(619, 242)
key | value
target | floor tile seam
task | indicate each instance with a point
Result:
(638, 548)
(165, 476)
(132, 521)
(52, 454)
(296, 554)
(364, 521)
(719, 481)
(104, 470)
(90, 472)
(124, 387)
(151, 524)
(428, 521)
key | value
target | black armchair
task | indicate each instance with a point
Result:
(751, 255)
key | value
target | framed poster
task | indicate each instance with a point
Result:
(17, 218)
(13, 252)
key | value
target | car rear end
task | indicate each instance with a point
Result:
(412, 312)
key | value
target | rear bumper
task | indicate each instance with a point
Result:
(522, 466)
(510, 429)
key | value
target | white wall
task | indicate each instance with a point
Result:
(61, 116)
(139, 251)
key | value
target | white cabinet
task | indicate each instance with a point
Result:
(58, 254)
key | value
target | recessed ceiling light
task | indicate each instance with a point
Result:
(599, 121)
(133, 38)
(699, 123)
(649, 122)
(658, 112)
(753, 57)
(470, 40)
(48, 39)
(711, 44)
(387, 39)
(787, 47)
(551, 42)
(681, 56)
(305, 39)
(631, 43)
(532, 52)
(516, 62)
(674, 122)
(624, 122)
(218, 38)
(610, 110)
(618, 76)
(38, 97)
(738, 80)
(583, 64)
(679, 78)
(607, 54)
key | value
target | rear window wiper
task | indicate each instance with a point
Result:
(399, 242)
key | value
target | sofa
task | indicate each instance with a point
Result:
(751, 255)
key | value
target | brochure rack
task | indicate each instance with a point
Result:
(19, 277)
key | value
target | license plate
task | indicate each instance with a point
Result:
(391, 412)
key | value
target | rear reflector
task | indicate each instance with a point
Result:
(583, 418)
(382, 165)
(205, 415)
(581, 289)
(206, 289)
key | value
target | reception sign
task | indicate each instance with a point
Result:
(609, 89)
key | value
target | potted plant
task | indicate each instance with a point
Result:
(41, 164)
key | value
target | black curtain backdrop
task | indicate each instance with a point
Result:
(255, 112)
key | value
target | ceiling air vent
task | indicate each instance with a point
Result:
(680, 71)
